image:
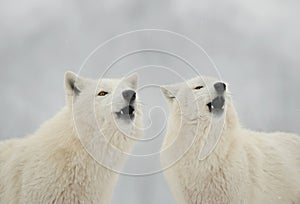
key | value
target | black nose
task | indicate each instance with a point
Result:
(220, 87)
(129, 95)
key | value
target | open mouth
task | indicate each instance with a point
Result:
(126, 113)
(217, 105)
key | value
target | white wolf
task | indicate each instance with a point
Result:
(58, 163)
(243, 167)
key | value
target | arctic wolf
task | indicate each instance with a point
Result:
(73, 157)
(218, 160)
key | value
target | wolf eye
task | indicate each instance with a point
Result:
(198, 87)
(102, 93)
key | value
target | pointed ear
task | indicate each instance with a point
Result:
(169, 91)
(132, 80)
(71, 86)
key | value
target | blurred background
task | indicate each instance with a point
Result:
(255, 45)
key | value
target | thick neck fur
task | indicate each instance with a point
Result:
(189, 136)
(62, 128)
(67, 152)
(226, 138)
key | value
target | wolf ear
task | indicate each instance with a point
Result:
(132, 80)
(71, 83)
(169, 91)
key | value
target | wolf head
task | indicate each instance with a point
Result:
(201, 107)
(106, 112)
(200, 97)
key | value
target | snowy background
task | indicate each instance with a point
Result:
(255, 45)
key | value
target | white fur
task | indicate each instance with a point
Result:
(245, 166)
(56, 164)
